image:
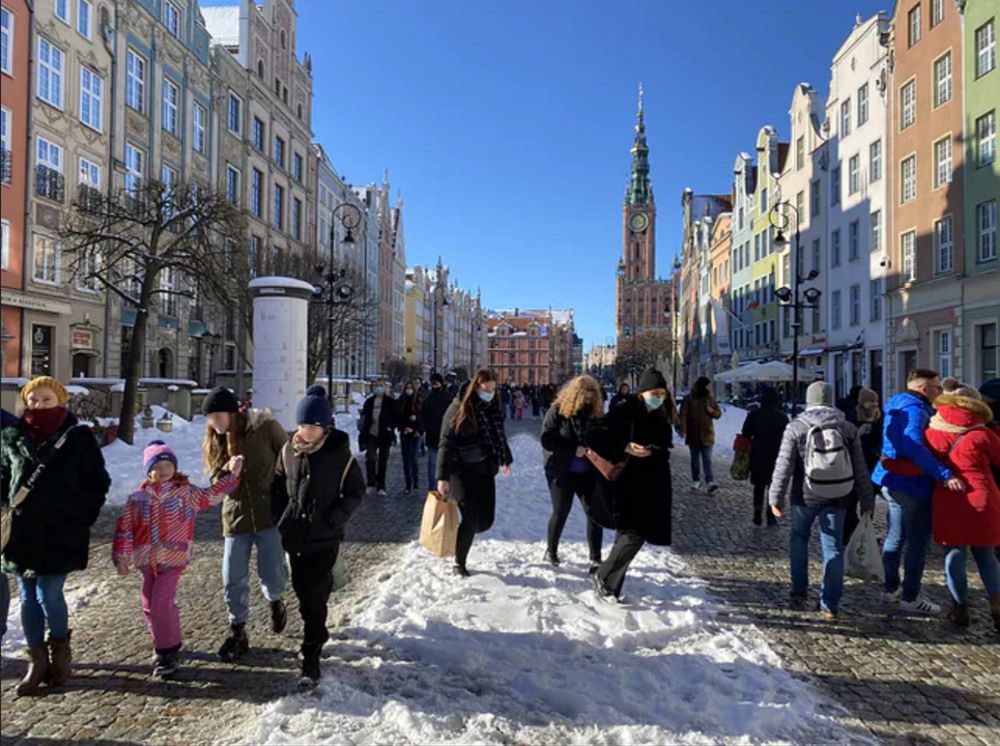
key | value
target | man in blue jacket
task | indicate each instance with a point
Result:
(907, 472)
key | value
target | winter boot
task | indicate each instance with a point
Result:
(959, 615)
(310, 665)
(279, 616)
(460, 570)
(236, 643)
(167, 663)
(995, 610)
(38, 670)
(552, 558)
(61, 656)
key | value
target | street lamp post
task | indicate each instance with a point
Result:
(438, 290)
(789, 297)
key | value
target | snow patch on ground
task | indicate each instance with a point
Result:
(727, 428)
(524, 653)
(77, 598)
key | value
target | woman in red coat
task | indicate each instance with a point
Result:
(968, 520)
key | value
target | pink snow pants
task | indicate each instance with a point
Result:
(159, 607)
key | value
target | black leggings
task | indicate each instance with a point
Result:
(759, 500)
(473, 487)
(376, 464)
(562, 491)
(312, 581)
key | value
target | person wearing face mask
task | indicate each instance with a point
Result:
(376, 435)
(435, 405)
(411, 429)
(155, 534)
(638, 433)
(246, 513)
(473, 448)
(55, 483)
(317, 486)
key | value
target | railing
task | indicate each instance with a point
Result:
(88, 197)
(49, 183)
(6, 165)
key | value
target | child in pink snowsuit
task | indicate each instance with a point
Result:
(155, 534)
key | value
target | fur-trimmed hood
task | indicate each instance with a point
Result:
(257, 417)
(959, 414)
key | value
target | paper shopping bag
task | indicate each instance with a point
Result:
(439, 527)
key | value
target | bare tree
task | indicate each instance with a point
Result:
(643, 350)
(397, 370)
(127, 240)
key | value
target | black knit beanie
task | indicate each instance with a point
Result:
(314, 409)
(220, 399)
(651, 379)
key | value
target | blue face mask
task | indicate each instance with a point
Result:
(653, 402)
(409, 392)
(486, 396)
(378, 390)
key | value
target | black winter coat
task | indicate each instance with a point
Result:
(561, 436)
(386, 423)
(470, 437)
(50, 531)
(764, 427)
(641, 499)
(410, 415)
(314, 495)
(618, 399)
(435, 405)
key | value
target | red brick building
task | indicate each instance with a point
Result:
(531, 347)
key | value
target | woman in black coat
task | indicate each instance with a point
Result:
(639, 433)
(567, 470)
(764, 427)
(60, 465)
(621, 396)
(376, 434)
(411, 429)
(317, 486)
(472, 450)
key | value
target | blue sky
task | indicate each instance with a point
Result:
(506, 125)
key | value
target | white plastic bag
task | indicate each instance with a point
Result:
(863, 557)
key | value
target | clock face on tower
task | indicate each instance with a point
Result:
(638, 222)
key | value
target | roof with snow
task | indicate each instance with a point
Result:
(223, 24)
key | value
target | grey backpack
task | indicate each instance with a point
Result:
(828, 469)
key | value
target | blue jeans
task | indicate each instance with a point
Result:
(4, 603)
(831, 539)
(909, 524)
(432, 465)
(410, 444)
(43, 602)
(954, 571)
(705, 454)
(271, 569)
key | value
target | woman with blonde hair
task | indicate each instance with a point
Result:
(567, 469)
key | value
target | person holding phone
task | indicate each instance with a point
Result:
(637, 432)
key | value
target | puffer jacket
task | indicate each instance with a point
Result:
(156, 528)
(958, 436)
(788, 484)
(907, 465)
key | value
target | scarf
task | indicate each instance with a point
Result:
(939, 423)
(489, 420)
(42, 424)
(302, 448)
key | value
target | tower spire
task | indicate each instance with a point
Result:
(640, 191)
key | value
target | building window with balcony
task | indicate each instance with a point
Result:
(862, 105)
(46, 259)
(986, 221)
(279, 206)
(51, 61)
(198, 118)
(172, 19)
(908, 251)
(135, 81)
(942, 162)
(256, 192)
(233, 113)
(170, 97)
(986, 138)
(875, 231)
(279, 151)
(908, 177)
(49, 170)
(942, 80)
(986, 48)
(89, 179)
(854, 174)
(91, 98)
(944, 245)
(908, 107)
(6, 41)
(875, 161)
(296, 218)
(913, 25)
(257, 134)
(845, 118)
(134, 169)
(232, 184)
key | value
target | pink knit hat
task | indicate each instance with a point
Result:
(156, 452)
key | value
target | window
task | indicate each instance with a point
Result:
(835, 309)
(854, 174)
(835, 186)
(50, 72)
(6, 41)
(90, 174)
(297, 167)
(875, 161)
(279, 151)
(862, 105)
(987, 349)
(908, 246)
(257, 134)
(134, 163)
(943, 346)
(913, 24)
(49, 170)
(817, 325)
(170, 96)
(875, 300)
(944, 245)
(232, 184)
(937, 12)
(855, 299)
(279, 206)
(6, 157)
(854, 240)
(986, 48)
(296, 219)
(845, 118)
(135, 81)
(800, 152)
(172, 18)
(835, 248)
(256, 196)
(800, 204)
(62, 10)
(85, 280)
(986, 138)
(763, 201)
(942, 162)
(875, 235)
(817, 258)
(83, 18)
(45, 267)
(4, 243)
(942, 80)
(198, 118)
(739, 216)
(233, 113)
(814, 199)
(168, 296)
(908, 107)
(91, 98)
(908, 175)
(756, 248)
(254, 257)
(986, 219)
